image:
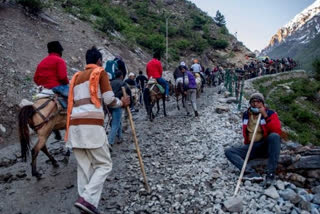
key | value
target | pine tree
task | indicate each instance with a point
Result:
(219, 19)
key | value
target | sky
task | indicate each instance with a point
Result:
(255, 21)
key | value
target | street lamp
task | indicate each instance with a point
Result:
(167, 40)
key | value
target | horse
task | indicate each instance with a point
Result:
(44, 116)
(177, 91)
(199, 84)
(151, 96)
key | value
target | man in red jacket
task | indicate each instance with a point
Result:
(154, 70)
(266, 143)
(51, 72)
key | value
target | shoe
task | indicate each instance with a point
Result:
(252, 176)
(196, 113)
(85, 206)
(167, 98)
(269, 181)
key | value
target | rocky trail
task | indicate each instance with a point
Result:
(185, 165)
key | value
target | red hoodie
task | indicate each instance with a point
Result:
(154, 69)
(51, 72)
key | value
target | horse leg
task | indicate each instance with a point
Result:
(177, 99)
(57, 135)
(35, 151)
(158, 107)
(51, 158)
(164, 106)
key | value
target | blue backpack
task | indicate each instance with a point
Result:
(111, 68)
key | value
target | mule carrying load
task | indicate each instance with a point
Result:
(43, 116)
(152, 94)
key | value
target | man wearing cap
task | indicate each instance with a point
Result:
(51, 72)
(266, 143)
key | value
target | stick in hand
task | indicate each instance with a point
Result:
(136, 144)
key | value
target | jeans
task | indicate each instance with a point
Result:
(191, 97)
(116, 125)
(164, 83)
(61, 89)
(270, 148)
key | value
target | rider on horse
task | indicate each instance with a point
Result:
(154, 70)
(51, 72)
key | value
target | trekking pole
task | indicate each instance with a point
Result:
(136, 144)
(247, 156)
(241, 93)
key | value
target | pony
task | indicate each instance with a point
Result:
(151, 96)
(177, 90)
(199, 84)
(44, 116)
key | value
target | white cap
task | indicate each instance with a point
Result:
(182, 63)
(131, 74)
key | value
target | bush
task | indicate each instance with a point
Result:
(152, 41)
(219, 44)
(32, 6)
(224, 30)
(183, 44)
(316, 68)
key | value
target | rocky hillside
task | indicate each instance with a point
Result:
(24, 37)
(299, 38)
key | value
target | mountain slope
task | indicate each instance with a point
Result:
(298, 37)
(24, 38)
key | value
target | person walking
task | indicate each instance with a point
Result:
(85, 132)
(190, 89)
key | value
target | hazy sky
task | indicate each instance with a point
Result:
(255, 21)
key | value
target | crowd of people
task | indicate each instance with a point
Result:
(95, 87)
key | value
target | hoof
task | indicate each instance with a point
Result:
(55, 164)
(37, 175)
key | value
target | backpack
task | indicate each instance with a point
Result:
(111, 68)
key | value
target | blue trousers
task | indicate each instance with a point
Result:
(116, 125)
(61, 89)
(164, 83)
(268, 148)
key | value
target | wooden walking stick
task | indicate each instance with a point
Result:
(247, 156)
(136, 144)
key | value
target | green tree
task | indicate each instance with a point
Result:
(316, 68)
(219, 19)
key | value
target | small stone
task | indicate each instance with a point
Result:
(2, 128)
(316, 189)
(234, 204)
(280, 185)
(305, 205)
(288, 194)
(316, 199)
(272, 192)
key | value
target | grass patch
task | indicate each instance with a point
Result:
(297, 107)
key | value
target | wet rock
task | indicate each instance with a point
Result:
(234, 204)
(272, 192)
(6, 178)
(307, 162)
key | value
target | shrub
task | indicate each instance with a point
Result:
(219, 44)
(32, 6)
(223, 30)
(152, 41)
(183, 44)
(316, 68)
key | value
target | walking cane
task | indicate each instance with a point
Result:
(247, 156)
(136, 144)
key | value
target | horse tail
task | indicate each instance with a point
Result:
(147, 98)
(24, 117)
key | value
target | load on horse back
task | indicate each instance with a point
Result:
(152, 94)
(44, 116)
(178, 91)
(199, 84)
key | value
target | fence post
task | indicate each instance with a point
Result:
(241, 93)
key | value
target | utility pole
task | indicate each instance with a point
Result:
(167, 40)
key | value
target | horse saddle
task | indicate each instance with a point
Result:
(153, 83)
(48, 93)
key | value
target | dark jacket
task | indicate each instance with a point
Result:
(177, 73)
(116, 85)
(141, 80)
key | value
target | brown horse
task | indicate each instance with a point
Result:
(177, 91)
(44, 116)
(151, 96)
